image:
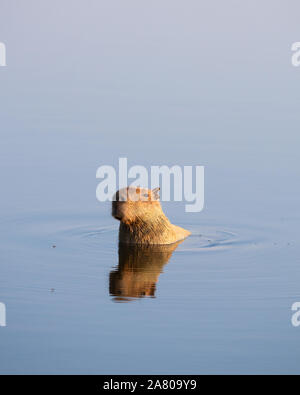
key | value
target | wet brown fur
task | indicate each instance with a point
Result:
(142, 220)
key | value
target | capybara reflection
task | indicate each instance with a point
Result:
(142, 220)
(138, 270)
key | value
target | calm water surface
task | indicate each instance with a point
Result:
(219, 302)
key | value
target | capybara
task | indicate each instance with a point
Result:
(142, 220)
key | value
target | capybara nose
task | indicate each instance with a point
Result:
(115, 212)
(116, 215)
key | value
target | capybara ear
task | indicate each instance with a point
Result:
(155, 193)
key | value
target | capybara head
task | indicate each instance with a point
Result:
(134, 203)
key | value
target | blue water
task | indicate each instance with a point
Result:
(195, 86)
